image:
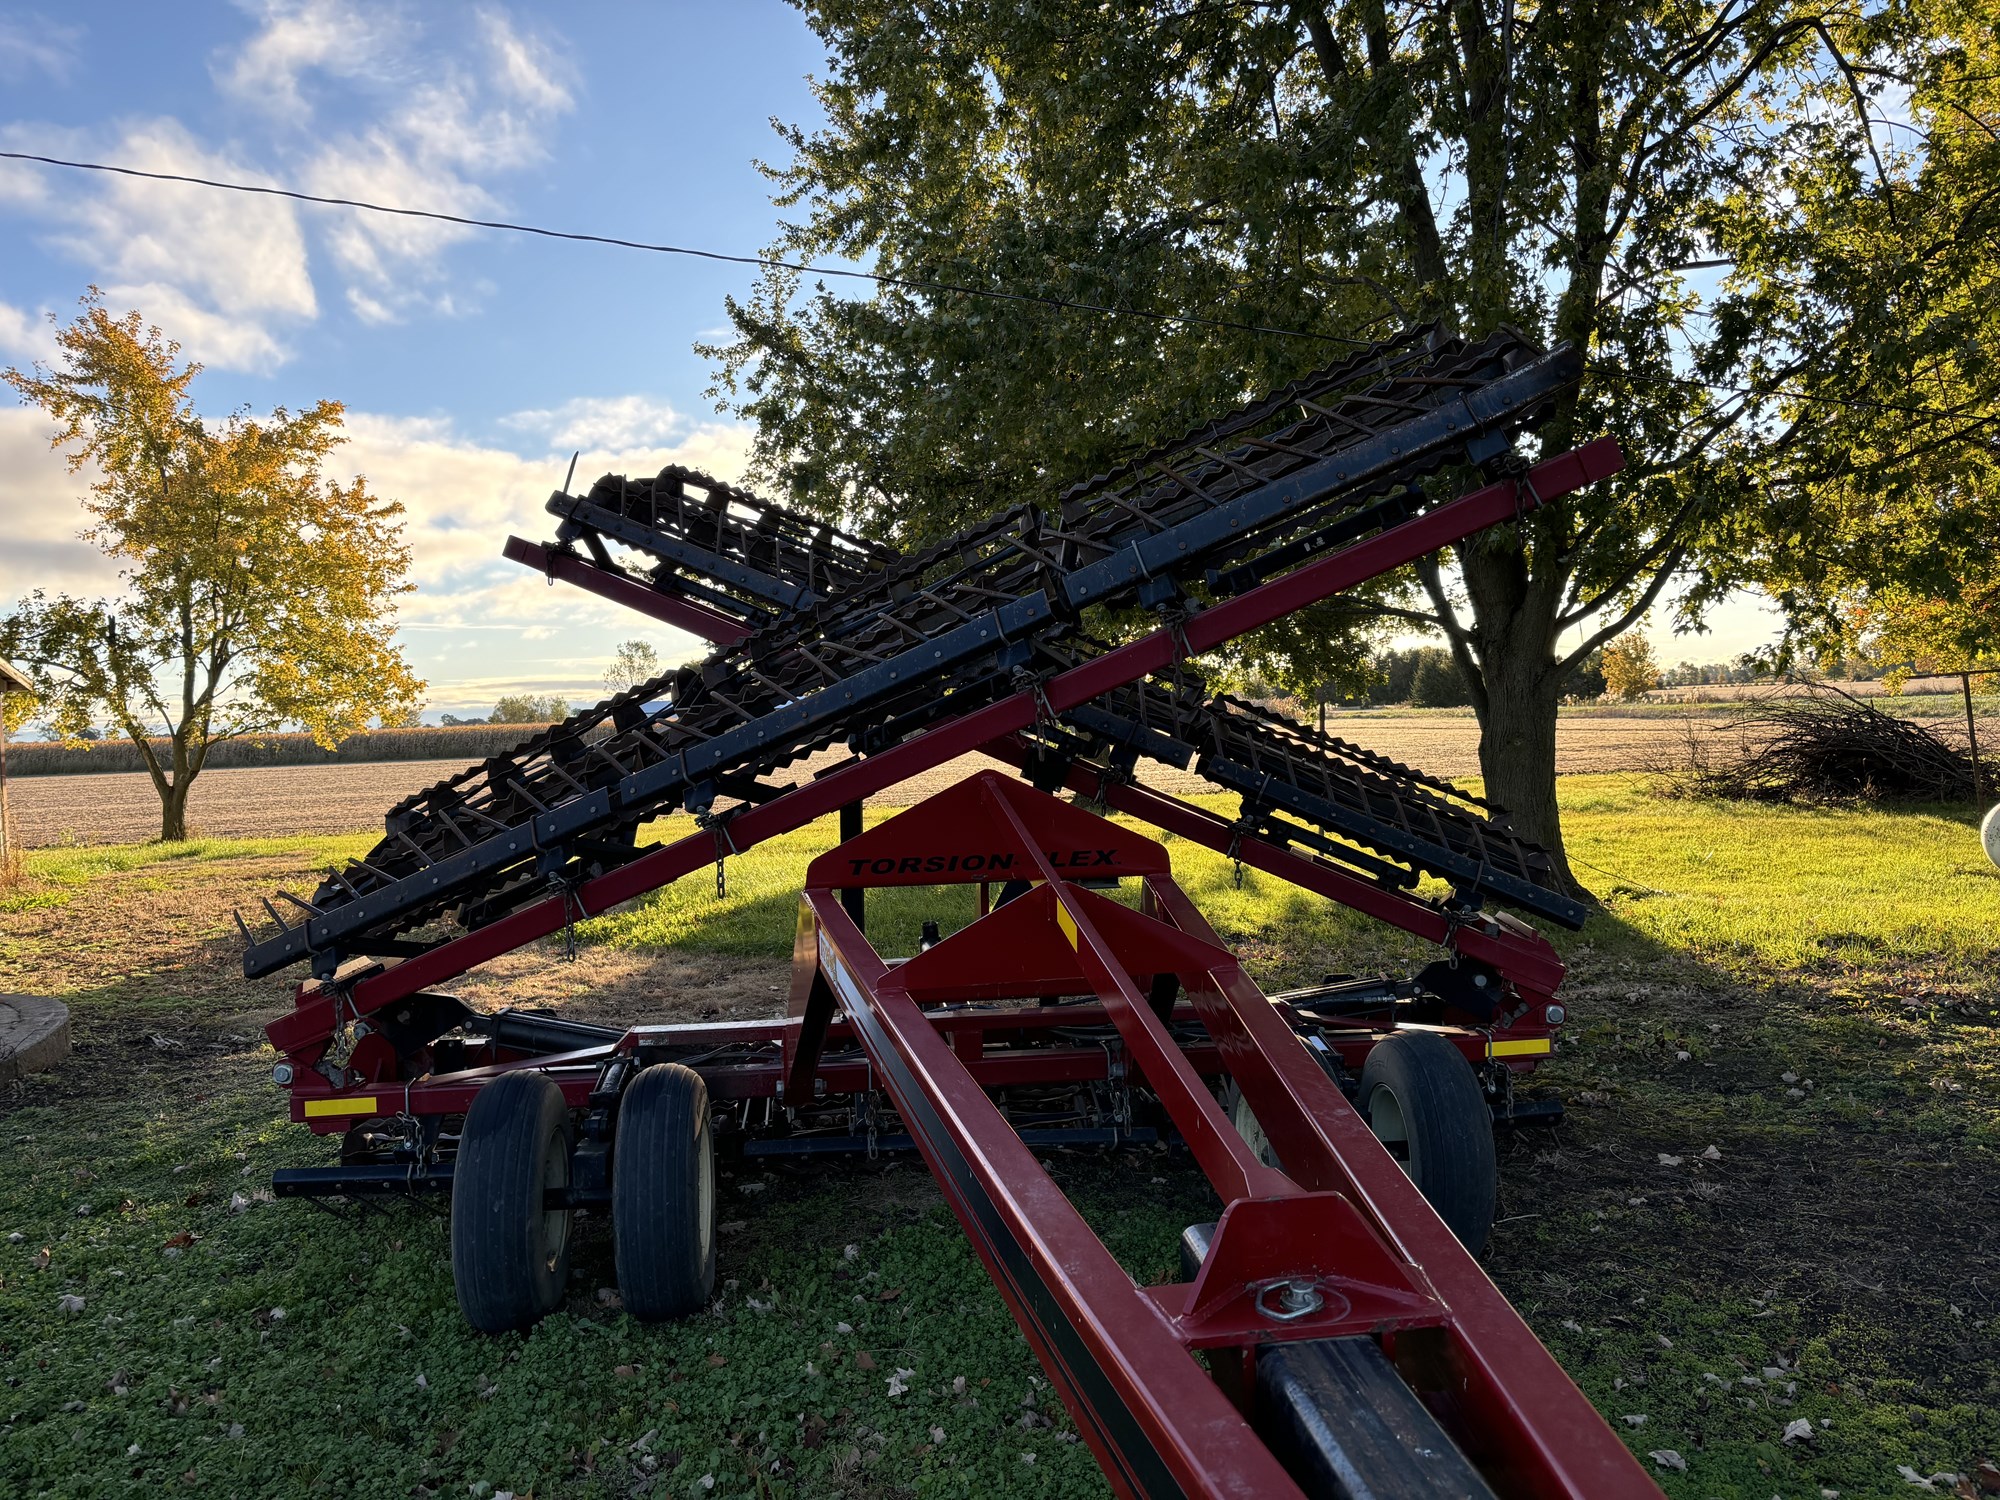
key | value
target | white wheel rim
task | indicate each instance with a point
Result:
(1386, 1120)
(555, 1221)
(1244, 1118)
(705, 1207)
(1989, 835)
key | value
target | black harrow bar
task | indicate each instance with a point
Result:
(937, 634)
(714, 544)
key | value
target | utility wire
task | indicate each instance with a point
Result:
(1061, 304)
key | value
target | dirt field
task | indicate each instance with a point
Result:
(120, 807)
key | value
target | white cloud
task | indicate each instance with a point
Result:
(41, 513)
(224, 273)
(474, 113)
(527, 67)
(448, 105)
(462, 500)
(301, 36)
(596, 422)
(25, 336)
(31, 43)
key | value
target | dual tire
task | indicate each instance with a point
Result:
(511, 1218)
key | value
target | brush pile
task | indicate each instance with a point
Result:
(1826, 746)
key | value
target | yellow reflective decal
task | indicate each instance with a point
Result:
(1066, 922)
(319, 1108)
(1529, 1047)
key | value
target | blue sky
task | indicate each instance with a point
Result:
(471, 362)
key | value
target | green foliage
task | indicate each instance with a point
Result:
(259, 592)
(1338, 170)
(1437, 683)
(529, 708)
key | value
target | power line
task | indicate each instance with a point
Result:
(911, 283)
(1061, 304)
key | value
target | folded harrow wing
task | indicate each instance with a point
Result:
(1333, 1335)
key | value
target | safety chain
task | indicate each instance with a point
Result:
(725, 845)
(572, 910)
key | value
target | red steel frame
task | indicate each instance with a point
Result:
(1341, 1214)
(320, 1009)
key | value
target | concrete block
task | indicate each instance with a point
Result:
(34, 1035)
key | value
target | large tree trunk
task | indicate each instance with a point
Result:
(1517, 749)
(173, 811)
(1509, 657)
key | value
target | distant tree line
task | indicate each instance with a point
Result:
(518, 708)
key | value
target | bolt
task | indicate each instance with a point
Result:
(281, 1075)
(1554, 1015)
(1299, 1298)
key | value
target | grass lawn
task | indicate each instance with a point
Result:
(1812, 993)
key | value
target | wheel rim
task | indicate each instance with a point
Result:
(1244, 1118)
(1391, 1127)
(555, 1221)
(705, 1209)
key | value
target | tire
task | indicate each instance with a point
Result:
(510, 1254)
(1423, 1101)
(663, 1194)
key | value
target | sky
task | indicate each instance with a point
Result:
(472, 363)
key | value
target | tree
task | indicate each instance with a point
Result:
(259, 592)
(529, 708)
(632, 663)
(1628, 668)
(1584, 171)
(1437, 682)
(1918, 637)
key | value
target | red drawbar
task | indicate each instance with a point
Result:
(1341, 1218)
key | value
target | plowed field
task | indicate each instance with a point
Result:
(120, 807)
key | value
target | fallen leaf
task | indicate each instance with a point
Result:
(624, 1372)
(1798, 1429)
(716, 1361)
(1666, 1458)
(69, 1302)
(611, 1297)
(180, 1241)
(1635, 1419)
(863, 1360)
(1713, 1153)
(1669, 1161)
(889, 1296)
(42, 1259)
(900, 1382)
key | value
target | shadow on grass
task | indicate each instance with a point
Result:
(1810, 1273)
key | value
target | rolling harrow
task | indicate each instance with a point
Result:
(1333, 1335)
